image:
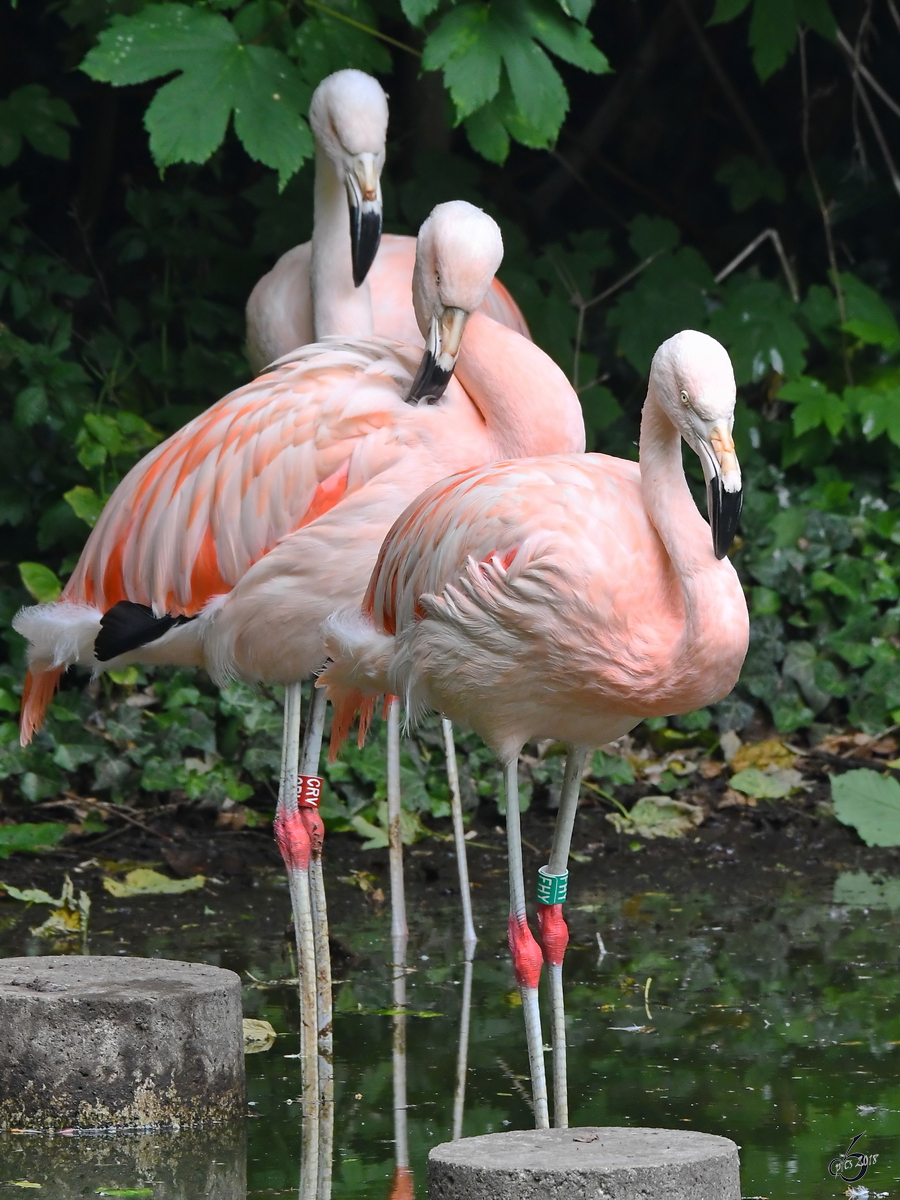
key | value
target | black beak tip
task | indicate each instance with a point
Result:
(724, 515)
(430, 382)
(365, 238)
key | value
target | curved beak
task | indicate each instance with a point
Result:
(441, 351)
(724, 494)
(364, 198)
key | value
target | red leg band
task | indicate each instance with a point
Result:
(526, 953)
(315, 829)
(554, 933)
(293, 839)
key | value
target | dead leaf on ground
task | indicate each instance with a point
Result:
(760, 755)
(712, 768)
(733, 799)
(143, 882)
(658, 816)
(258, 1035)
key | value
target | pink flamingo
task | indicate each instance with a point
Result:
(230, 543)
(565, 597)
(354, 295)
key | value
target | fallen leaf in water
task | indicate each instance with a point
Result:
(22, 1183)
(124, 1192)
(258, 1035)
(144, 882)
(658, 816)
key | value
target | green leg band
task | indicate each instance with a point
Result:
(552, 889)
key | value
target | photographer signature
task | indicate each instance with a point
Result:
(851, 1166)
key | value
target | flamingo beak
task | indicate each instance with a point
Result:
(724, 494)
(441, 352)
(364, 197)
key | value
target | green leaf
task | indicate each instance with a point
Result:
(868, 317)
(773, 34)
(870, 804)
(31, 406)
(31, 838)
(416, 11)
(879, 410)
(29, 895)
(40, 581)
(859, 889)
(144, 882)
(815, 406)
(668, 296)
(727, 10)
(188, 116)
(658, 816)
(568, 41)
(32, 113)
(84, 503)
(538, 91)
(467, 46)
(749, 181)
(652, 235)
(757, 325)
(487, 134)
(754, 782)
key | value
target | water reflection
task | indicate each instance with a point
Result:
(774, 1020)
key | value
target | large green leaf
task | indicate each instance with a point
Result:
(220, 75)
(40, 581)
(878, 408)
(868, 317)
(667, 297)
(869, 803)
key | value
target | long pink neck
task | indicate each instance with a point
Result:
(527, 403)
(714, 640)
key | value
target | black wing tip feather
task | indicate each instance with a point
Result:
(128, 626)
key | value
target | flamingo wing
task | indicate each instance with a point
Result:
(190, 519)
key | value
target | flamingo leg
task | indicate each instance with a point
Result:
(459, 1094)
(526, 953)
(469, 935)
(309, 766)
(402, 1182)
(552, 882)
(294, 843)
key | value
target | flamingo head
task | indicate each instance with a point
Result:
(695, 383)
(458, 252)
(348, 116)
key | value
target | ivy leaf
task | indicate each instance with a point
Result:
(188, 117)
(757, 325)
(31, 113)
(40, 581)
(32, 838)
(870, 804)
(815, 406)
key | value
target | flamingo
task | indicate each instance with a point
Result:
(228, 545)
(566, 597)
(331, 285)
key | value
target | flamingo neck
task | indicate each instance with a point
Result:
(671, 508)
(338, 307)
(526, 401)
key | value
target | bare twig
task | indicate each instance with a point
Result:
(116, 810)
(853, 54)
(824, 209)
(894, 13)
(766, 235)
(728, 89)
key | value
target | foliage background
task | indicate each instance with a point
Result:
(154, 161)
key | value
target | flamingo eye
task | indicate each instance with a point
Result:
(685, 398)
(437, 278)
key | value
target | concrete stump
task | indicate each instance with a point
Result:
(109, 1042)
(586, 1164)
(180, 1164)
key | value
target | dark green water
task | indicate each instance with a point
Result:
(772, 1018)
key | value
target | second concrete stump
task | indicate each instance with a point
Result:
(586, 1164)
(111, 1042)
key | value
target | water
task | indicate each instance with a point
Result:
(771, 1017)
